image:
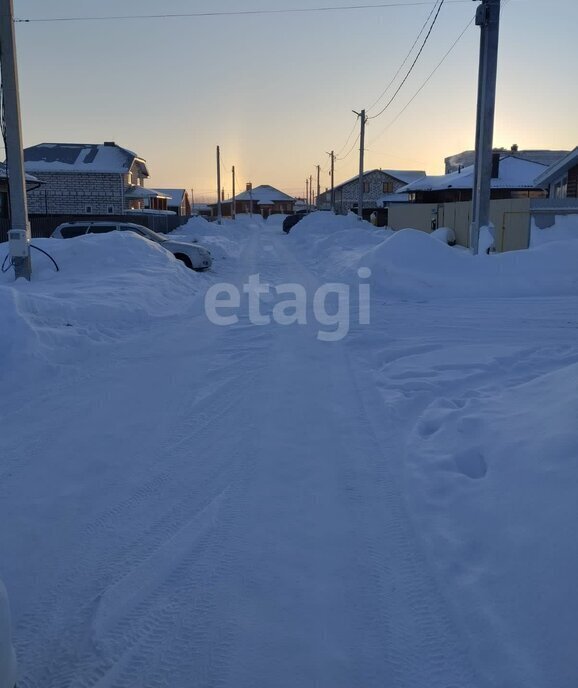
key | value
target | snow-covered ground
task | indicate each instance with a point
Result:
(184, 504)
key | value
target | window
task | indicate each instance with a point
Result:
(73, 231)
(365, 187)
(102, 229)
(88, 210)
(387, 187)
(110, 209)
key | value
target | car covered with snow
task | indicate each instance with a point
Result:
(7, 656)
(192, 255)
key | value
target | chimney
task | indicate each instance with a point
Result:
(109, 143)
(496, 164)
(249, 186)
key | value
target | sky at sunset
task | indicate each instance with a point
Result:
(276, 91)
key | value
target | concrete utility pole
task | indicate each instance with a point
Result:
(219, 207)
(19, 234)
(233, 209)
(307, 192)
(488, 18)
(318, 184)
(310, 189)
(332, 155)
(361, 161)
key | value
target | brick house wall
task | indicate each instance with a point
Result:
(376, 184)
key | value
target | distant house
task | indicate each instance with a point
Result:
(178, 201)
(262, 200)
(454, 163)
(512, 177)
(31, 183)
(561, 178)
(92, 179)
(376, 185)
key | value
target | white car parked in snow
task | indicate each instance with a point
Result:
(193, 256)
(7, 656)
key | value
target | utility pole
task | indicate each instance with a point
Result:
(488, 19)
(361, 161)
(233, 209)
(318, 183)
(219, 207)
(192, 201)
(332, 155)
(307, 192)
(311, 190)
(19, 234)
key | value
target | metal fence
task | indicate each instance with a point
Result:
(42, 226)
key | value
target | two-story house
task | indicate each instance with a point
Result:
(92, 179)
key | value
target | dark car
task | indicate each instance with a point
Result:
(291, 220)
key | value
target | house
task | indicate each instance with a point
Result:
(31, 183)
(262, 200)
(178, 201)
(512, 178)
(561, 178)
(93, 179)
(547, 157)
(376, 185)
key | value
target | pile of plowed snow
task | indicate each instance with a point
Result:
(108, 285)
(221, 240)
(565, 228)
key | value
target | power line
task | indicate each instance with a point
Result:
(236, 13)
(405, 60)
(350, 151)
(431, 28)
(425, 83)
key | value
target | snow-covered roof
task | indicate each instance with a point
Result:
(141, 192)
(29, 178)
(558, 169)
(466, 158)
(394, 198)
(405, 176)
(514, 173)
(263, 195)
(176, 196)
(80, 157)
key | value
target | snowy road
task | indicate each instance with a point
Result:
(227, 506)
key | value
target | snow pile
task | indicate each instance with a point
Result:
(7, 658)
(497, 475)
(564, 228)
(223, 241)
(275, 221)
(334, 244)
(108, 285)
(411, 263)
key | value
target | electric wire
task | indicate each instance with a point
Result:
(414, 63)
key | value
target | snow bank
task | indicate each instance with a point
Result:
(107, 286)
(7, 658)
(564, 228)
(498, 480)
(223, 241)
(412, 263)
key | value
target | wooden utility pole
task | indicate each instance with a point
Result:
(363, 118)
(219, 206)
(307, 192)
(332, 174)
(233, 204)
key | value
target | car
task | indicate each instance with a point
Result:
(291, 220)
(7, 656)
(192, 255)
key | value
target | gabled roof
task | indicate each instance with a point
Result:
(514, 173)
(176, 196)
(405, 176)
(546, 157)
(558, 169)
(263, 195)
(141, 192)
(80, 157)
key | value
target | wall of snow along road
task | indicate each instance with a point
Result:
(565, 228)
(108, 286)
(223, 241)
(412, 264)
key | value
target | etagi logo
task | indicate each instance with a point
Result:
(331, 305)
